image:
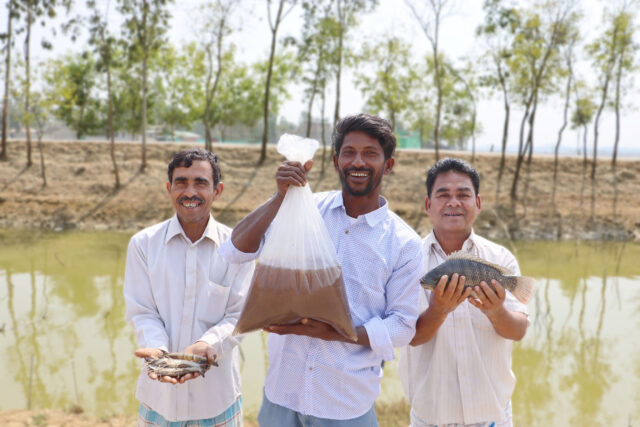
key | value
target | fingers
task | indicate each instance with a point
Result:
(291, 173)
(308, 165)
(148, 352)
(442, 283)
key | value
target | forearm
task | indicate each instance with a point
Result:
(248, 233)
(508, 324)
(427, 325)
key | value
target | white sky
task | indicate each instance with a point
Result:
(393, 17)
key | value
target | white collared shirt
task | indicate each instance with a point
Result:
(463, 374)
(178, 292)
(381, 261)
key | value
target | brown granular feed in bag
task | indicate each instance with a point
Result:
(280, 295)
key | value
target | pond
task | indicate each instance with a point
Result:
(64, 340)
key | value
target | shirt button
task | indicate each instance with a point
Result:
(346, 231)
(310, 368)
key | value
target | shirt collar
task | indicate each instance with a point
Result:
(211, 232)
(372, 218)
(467, 246)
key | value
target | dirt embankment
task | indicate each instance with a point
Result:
(80, 194)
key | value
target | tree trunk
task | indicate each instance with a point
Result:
(322, 131)
(514, 185)
(567, 98)
(27, 55)
(585, 161)
(42, 171)
(336, 110)
(436, 127)
(5, 101)
(211, 90)
(145, 54)
(112, 150)
(314, 89)
(265, 118)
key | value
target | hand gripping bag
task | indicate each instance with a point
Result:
(297, 274)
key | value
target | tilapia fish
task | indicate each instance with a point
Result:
(477, 270)
(178, 364)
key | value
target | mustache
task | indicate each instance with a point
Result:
(190, 199)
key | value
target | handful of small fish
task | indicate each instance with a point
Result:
(176, 365)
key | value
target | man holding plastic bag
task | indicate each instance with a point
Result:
(318, 375)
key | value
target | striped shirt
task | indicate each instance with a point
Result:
(463, 374)
(381, 260)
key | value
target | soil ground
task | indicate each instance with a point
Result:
(80, 190)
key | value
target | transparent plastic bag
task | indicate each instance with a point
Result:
(297, 274)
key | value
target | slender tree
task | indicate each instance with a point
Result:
(8, 38)
(569, 58)
(347, 12)
(535, 64)
(145, 25)
(388, 77)
(274, 24)
(498, 31)
(316, 48)
(430, 14)
(215, 30)
(104, 45)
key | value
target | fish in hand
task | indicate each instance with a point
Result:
(178, 364)
(477, 270)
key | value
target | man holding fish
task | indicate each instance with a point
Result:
(457, 369)
(182, 297)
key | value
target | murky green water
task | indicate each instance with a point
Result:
(64, 341)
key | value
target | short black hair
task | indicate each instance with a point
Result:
(374, 126)
(452, 164)
(187, 157)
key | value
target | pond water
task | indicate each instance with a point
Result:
(64, 341)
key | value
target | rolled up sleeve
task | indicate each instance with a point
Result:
(233, 255)
(398, 326)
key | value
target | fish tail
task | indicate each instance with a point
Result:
(524, 289)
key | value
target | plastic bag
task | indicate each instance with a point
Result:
(297, 274)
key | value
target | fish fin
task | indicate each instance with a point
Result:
(524, 289)
(464, 255)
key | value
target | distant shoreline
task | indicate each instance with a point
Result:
(80, 190)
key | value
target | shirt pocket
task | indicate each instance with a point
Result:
(479, 320)
(213, 302)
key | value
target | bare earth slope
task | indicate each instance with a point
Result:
(79, 192)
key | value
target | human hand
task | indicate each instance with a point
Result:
(292, 173)
(154, 353)
(446, 297)
(489, 299)
(310, 328)
(199, 348)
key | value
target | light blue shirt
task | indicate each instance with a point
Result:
(381, 263)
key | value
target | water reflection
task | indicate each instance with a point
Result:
(64, 341)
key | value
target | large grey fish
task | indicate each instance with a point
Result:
(477, 270)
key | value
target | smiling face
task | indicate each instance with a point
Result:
(453, 205)
(361, 164)
(192, 193)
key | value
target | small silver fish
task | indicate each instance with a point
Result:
(477, 270)
(178, 364)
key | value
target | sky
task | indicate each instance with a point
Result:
(252, 38)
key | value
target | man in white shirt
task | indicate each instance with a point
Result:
(182, 297)
(316, 376)
(457, 370)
